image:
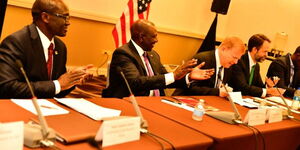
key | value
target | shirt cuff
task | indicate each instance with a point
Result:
(57, 86)
(169, 78)
(264, 94)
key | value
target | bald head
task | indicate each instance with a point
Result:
(49, 6)
(144, 34)
(230, 51)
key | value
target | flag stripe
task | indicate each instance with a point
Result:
(121, 31)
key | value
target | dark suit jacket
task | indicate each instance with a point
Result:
(26, 46)
(132, 66)
(281, 67)
(205, 87)
(241, 73)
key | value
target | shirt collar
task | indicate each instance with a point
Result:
(218, 63)
(138, 48)
(45, 41)
(292, 64)
(251, 62)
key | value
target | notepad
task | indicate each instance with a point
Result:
(47, 108)
(88, 108)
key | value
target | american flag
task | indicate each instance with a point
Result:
(136, 9)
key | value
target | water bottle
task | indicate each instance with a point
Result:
(296, 100)
(198, 111)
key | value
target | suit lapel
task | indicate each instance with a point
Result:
(38, 51)
(153, 63)
(137, 57)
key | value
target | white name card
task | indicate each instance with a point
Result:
(274, 115)
(255, 117)
(12, 135)
(119, 130)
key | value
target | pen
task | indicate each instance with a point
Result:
(48, 107)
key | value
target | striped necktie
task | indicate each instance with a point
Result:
(50, 60)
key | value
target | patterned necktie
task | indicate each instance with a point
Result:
(251, 74)
(219, 77)
(150, 71)
(50, 60)
(292, 72)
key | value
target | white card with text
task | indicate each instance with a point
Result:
(119, 130)
(255, 117)
(12, 135)
(274, 115)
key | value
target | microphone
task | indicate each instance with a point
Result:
(289, 111)
(144, 123)
(35, 135)
(228, 117)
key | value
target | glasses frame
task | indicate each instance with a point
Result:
(63, 16)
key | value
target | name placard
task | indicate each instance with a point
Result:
(274, 115)
(255, 117)
(12, 135)
(119, 130)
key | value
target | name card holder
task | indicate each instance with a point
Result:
(12, 135)
(274, 115)
(255, 117)
(119, 130)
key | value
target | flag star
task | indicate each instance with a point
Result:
(141, 7)
(146, 5)
(143, 1)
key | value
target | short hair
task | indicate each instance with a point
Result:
(140, 26)
(297, 51)
(40, 6)
(232, 41)
(257, 41)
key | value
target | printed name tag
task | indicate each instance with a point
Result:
(274, 115)
(119, 130)
(255, 117)
(12, 135)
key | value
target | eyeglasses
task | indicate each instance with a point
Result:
(65, 17)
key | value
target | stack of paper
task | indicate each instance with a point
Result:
(47, 107)
(88, 108)
(237, 98)
(279, 100)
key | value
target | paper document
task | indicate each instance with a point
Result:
(48, 108)
(88, 108)
(237, 98)
(180, 105)
(279, 100)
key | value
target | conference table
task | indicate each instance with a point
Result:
(284, 135)
(180, 136)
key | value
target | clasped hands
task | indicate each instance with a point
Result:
(196, 73)
(74, 77)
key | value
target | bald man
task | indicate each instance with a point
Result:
(226, 55)
(143, 69)
(42, 54)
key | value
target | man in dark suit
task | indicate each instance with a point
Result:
(287, 68)
(247, 77)
(227, 54)
(142, 66)
(42, 54)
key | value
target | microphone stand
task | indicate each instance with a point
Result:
(228, 117)
(36, 136)
(289, 111)
(144, 123)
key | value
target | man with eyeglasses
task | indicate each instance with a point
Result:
(42, 54)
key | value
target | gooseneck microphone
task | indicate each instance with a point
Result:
(228, 117)
(35, 135)
(144, 124)
(289, 111)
